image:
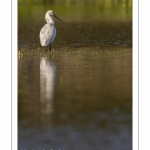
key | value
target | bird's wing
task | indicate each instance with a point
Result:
(54, 34)
(47, 34)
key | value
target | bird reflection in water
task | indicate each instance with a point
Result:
(47, 81)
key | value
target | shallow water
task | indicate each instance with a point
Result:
(79, 96)
(75, 99)
(74, 34)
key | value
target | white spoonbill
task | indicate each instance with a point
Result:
(48, 32)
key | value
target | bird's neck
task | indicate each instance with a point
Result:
(49, 19)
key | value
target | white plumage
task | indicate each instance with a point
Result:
(48, 32)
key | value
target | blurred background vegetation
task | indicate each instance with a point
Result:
(77, 10)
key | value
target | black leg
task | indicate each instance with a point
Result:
(46, 48)
(50, 47)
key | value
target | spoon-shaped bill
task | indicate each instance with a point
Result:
(58, 18)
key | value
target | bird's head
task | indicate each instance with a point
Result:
(51, 13)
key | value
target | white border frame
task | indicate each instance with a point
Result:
(135, 71)
(14, 75)
(144, 75)
(5, 75)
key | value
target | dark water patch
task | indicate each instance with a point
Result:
(80, 34)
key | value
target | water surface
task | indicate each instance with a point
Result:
(75, 99)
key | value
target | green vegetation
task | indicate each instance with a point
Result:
(76, 10)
